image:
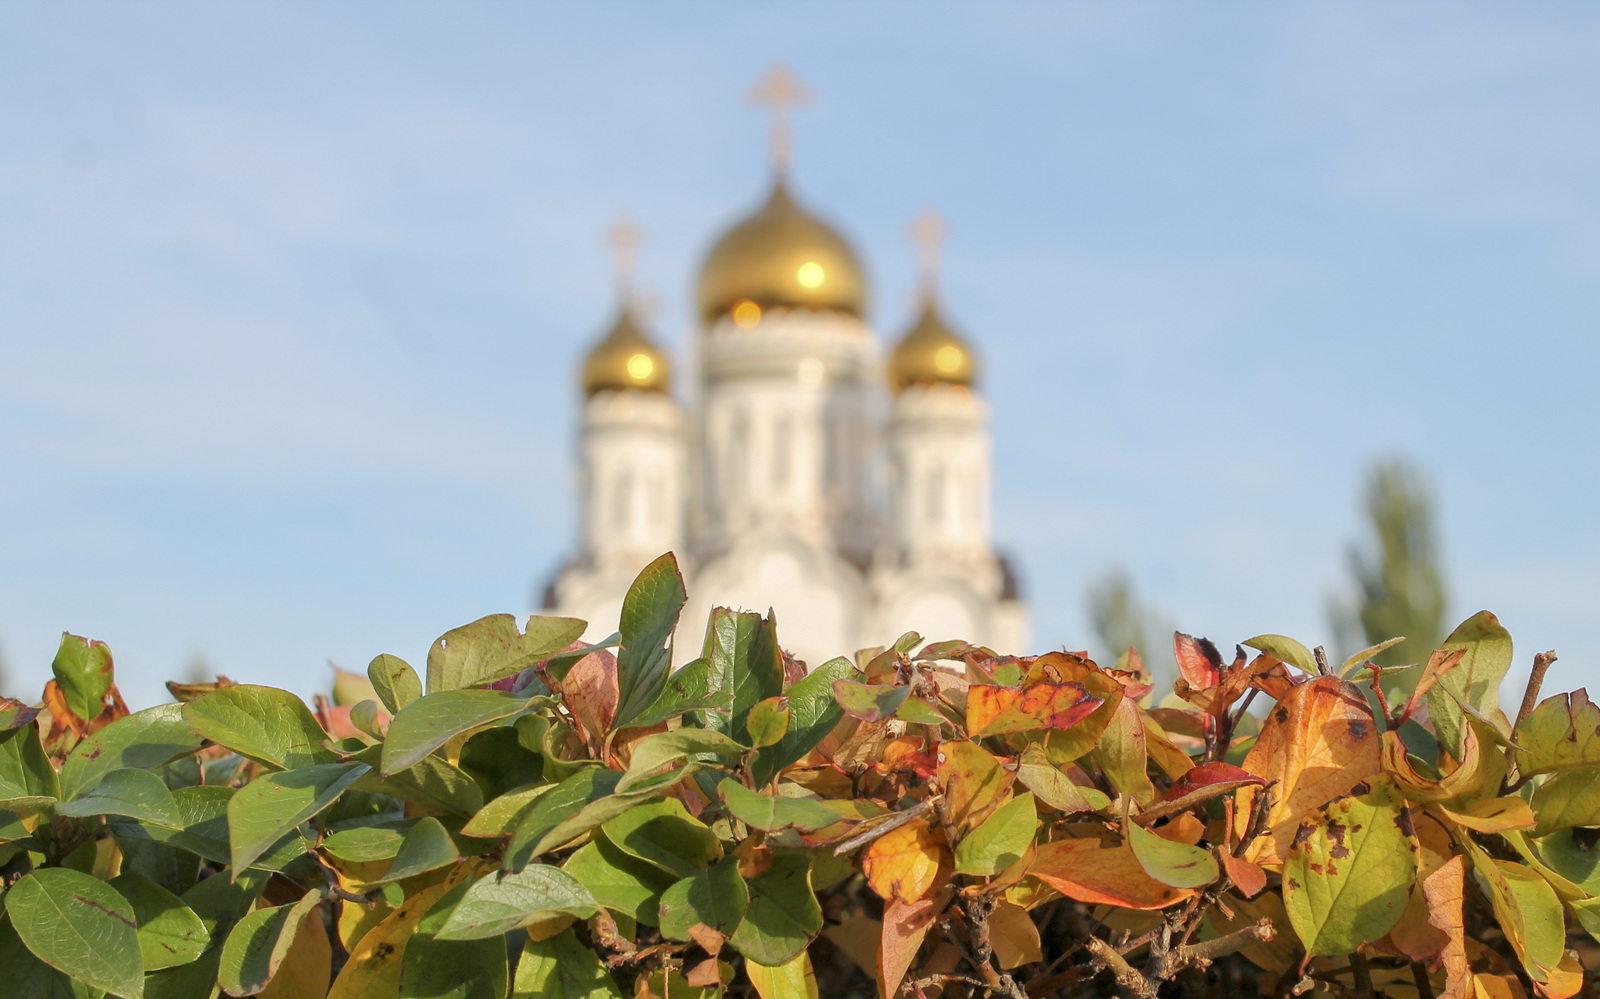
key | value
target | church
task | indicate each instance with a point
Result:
(787, 461)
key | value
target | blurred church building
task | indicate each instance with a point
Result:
(791, 466)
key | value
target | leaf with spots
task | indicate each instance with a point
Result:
(1348, 873)
(1317, 744)
(80, 926)
(373, 970)
(973, 781)
(1000, 710)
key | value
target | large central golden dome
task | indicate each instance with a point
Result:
(780, 257)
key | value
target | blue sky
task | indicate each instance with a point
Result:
(292, 295)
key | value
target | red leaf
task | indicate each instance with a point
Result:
(1198, 660)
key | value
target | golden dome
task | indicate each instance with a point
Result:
(780, 256)
(626, 359)
(931, 354)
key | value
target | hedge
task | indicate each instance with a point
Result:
(529, 816)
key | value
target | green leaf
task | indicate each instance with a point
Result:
(265, 724)
(430, 781)
(429, 722)
(1567, 799)
(919, 712)
(259, 943)
(1360, 658)
(462, 969)
(782, 915)
(1046, 780)
(562, 968)
(491, 648)
(1475, 679)
(23, 975)
(203, 810)
(673, 749)
(1574, 859)
(144, 740)
(1000, 840)
(649, 615)
(27, 780)
(498, 903)
(427, 847)
(1177, 864)
(501, 816)
(269, 807)
(1526, 908)
(618, 881)
(83, 672)
(746, 663)
(1287, 649)
(813, 713)
(79, 925)
(771, 813)
(395, 682)
(716, 896)
(551, 808)
(1562, 733)
(869, 701)
(767, 722)
(170, 934)
(688, 689)
(138, 794)
(663, 833)
(1348, 874)
(365, 843)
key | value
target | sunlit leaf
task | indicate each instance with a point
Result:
(649, 615)
(265, 724)
(373, 970)
(1177, 864)
(663, 833)
(269, 807)
(902, 863)
(83, 673)
(143, 740)
(672, 749)
(1286, 649)
(973, 782)
(138, 794)
(1475, 680)
(999, 710)
(259, 943)
(461, 969)
(771, 813)
(1089, 872)
(492, 648)
(767, 722)
(1348, 872)
(1562, 733)
(813, 713)
(429, 722)
(395, 682)
(715, 896)
(868, 701)
(1052, 787)
(498, 903)
(782, 915)
(619, 881)
(1000, 840)
(793, 979)
(562, 968)
(170, 934)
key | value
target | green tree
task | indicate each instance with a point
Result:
(1399, 588)
(1121, 619)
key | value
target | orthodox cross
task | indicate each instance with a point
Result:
(780, 92)
(928, 231)
(624, 239)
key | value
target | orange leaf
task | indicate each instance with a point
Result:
(1318, 744)
(1444, 890)
(902, 863)
(998, 710)
(905, 924)
(1085, 870)
(63, 715)
(973, 782)
(1198, 661)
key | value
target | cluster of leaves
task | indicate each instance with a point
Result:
(538, 818)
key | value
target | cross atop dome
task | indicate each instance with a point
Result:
(780, 92)
(624, 237)
(928, 232)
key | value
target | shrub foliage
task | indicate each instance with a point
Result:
(531, 817)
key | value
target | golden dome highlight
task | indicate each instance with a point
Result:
(781, 256)
(931, 354)
(626, 359)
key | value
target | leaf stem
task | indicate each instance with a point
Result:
(1530, 700)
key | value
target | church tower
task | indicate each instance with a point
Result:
(783, 515)
(631, 463)
(938, 573)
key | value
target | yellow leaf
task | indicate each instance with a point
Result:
(793, 979)
(1085, 870)
(1014, 937)
(373, 971)
(973, 782)
(1494, 815)
(903, 862)
(355, 920)
(308, 965)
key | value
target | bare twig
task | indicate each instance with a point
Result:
(887, 825)
(1419, 974)
(1321, 656)
(1530, 700)
(1128, 977)
(1205, 952)
(1363, 979)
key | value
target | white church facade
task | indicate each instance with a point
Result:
(798, 468)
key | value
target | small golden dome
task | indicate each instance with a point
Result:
(780, 256)
(931, 354)
(626, 359)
